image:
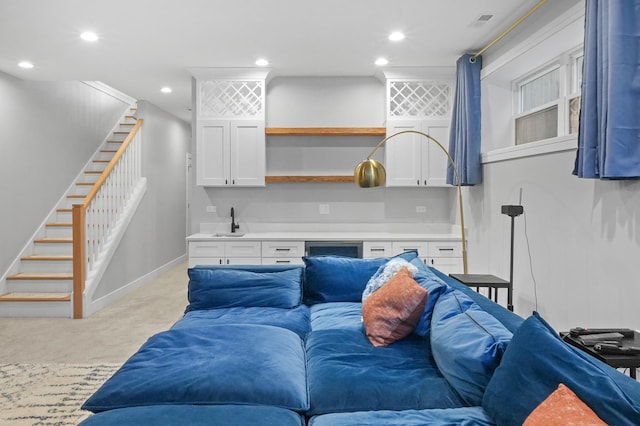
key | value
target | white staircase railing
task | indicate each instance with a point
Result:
(95, 219)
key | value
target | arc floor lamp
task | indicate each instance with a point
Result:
(370, 173)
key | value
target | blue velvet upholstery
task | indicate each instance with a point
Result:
(226, 364)
(435, 287)
(200, 415)
(537, 361)
(341, 279)
(342, 315)
(346, 373)
(467, 344)
(506, 317)
(295, 319)
(467, 416)
(213, 288)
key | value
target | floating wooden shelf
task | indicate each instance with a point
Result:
(325, 131)
(306, 179)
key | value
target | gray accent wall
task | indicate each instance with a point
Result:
(157, 232)
(49, 132)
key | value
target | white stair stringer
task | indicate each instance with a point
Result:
(108, 250)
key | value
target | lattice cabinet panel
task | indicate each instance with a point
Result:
(419, 99)
(232, 98)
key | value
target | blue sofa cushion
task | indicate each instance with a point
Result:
(227, 364)
(294, 319)
(467, 344)
(192, 415)
(435, 287)
(537, 361)
(345, 315)
(346, 373)
(213, 288)
(341, 279)
(467, 416)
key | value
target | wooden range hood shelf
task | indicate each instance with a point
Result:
(320, 131)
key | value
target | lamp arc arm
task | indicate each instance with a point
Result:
(455, 171)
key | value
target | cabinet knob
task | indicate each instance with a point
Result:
(425, 182)
(418, 182)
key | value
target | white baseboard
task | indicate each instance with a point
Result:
(92, 306)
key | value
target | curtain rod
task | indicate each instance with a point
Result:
(508, 30)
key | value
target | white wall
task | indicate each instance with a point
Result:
(323, 102)
(49, 132)
(156, 234)
(583, 235)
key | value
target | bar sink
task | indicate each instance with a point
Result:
(228, 234)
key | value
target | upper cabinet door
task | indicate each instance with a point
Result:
(248, 153)
(402, 154)
(434, 167)
(213, 151)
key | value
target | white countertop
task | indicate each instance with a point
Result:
(328, 236)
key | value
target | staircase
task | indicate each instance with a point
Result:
(40, 283)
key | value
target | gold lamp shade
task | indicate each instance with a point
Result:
(370, 173)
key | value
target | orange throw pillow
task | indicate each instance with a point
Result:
(392, 312)
(563, 408)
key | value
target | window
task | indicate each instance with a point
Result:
(538, 118)
(548, 102)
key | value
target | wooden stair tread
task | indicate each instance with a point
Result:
(132, 117)
(59, 224)
(47, 257)
(41, 276)
(101, 161)
(93, 172)
(85, 183)
(110, 151)
(76, 196)
(121, 132)
(53, 240)
(35, 297)
(63, 210)
(114, 141)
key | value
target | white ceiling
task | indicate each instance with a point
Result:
(147, 44)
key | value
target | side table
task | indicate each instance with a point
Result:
(632, 362)
(487, 281)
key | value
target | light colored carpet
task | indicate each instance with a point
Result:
(48, 394)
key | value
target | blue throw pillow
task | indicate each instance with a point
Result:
(537, 361)
(467, 344)
(341, 279)
(212, 288)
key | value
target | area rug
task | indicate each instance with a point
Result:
(48, 394)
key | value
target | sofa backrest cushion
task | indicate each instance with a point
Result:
(537, 361)
(435, 287)
(467, 344)
(341, 279)
(213, 288)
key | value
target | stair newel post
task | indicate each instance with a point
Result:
(79, 256)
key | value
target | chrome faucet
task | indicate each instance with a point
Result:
(234, 225)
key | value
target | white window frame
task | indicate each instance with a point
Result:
(564, 141)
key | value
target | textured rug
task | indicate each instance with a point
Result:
(48, 394)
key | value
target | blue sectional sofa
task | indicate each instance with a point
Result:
(286, 345)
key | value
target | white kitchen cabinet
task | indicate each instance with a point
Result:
(414, 160)
(402, 246)
(230, 153)
(282, 252)
(446, 256)
(224, 253)
(373, 249)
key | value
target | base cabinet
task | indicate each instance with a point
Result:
(282, 252)
(202, 253)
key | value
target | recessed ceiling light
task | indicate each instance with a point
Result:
(262, 62)
(89, 36)
(166, 90)
(381, 61)
(25, 65)
(396, 36)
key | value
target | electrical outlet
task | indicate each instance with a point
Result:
(324, 209)
(211, 209)
(421, 209)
